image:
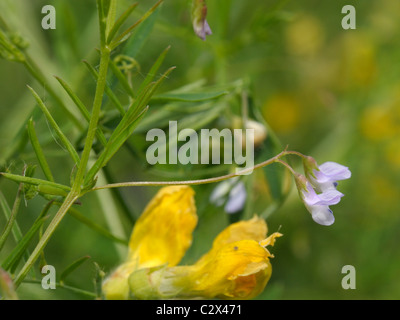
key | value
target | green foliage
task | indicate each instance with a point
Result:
(328, 92)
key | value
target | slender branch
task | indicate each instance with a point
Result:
(64, 286)
(69, 201)
(286, 165)
(12, 218)
(101, 83)
(199, 181)
(75, 193)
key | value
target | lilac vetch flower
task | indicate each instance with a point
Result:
(199, 14)
(231, 192)
(325, 176)
(237, 198)
(318, 204)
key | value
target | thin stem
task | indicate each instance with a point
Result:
(101, 83)
(69, 201)
(61, 285)
(195, 182)
(12, 218)
(39, 151)
(295, 153)
(74, 194)
(286, 165)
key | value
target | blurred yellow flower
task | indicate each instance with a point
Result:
(161, 236)
(236, 267)
(305, 36)
(235, 270)
(378, 124)
(164, 231)
(282, 112)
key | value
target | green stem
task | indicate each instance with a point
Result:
(34, 181)
(101, 83)
(286, 165)
(200, 181)
(63, 286)
(12, 218)
(76, 187)
(69, 201)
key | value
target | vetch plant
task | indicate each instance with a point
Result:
(238, 264)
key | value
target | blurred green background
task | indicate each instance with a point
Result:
(330, 93)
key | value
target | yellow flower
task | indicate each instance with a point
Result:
(236, 267)
(161, 236)
(164, 231)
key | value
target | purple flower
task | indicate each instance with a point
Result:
(231, 192)
(199, 14)
(325, 176)
(318, 204)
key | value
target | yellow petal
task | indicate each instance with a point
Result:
(253, 229)
(235, 268)
(270, 241)
(163, 232)
(238, 270)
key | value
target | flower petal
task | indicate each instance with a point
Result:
(237, 198)
(335, 171)
(163, 232)
(322, 215)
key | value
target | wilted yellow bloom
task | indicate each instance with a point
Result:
(237, 267)
(161, 236)
(163, 233)
(237, 270)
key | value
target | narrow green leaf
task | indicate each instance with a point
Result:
(84, 293)
(16, 231)
(111, 14)
(38, 151)
(154, 69)
(82, 108)
(112, 148)
(122, 79)
(98, 280)
(117, 25)
(142, 34)
(108, 90)
(72, 267)
(64, 140)
(125, 128)
(33, 181)
(145, 97)
(12, 217)
(189, 97)
(102, 22)
(11, 262)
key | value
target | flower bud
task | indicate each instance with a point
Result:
(199, 14)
